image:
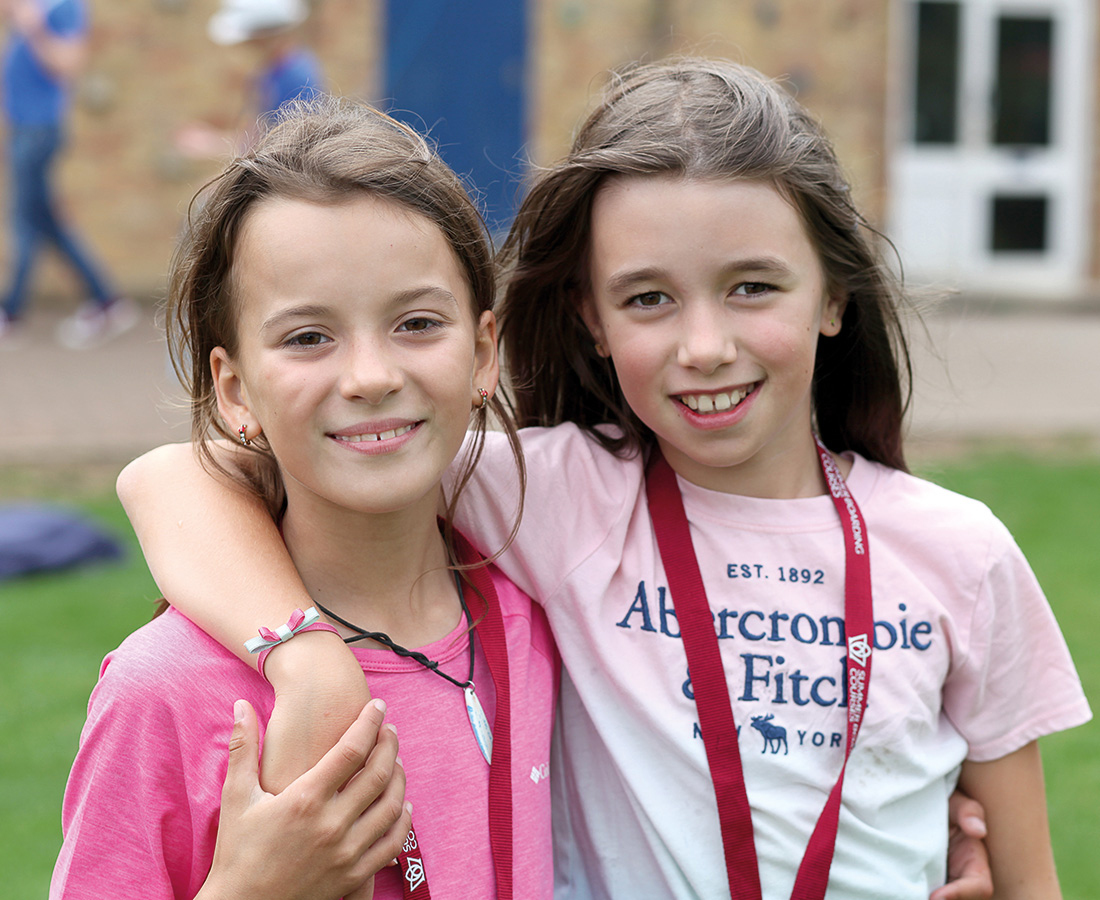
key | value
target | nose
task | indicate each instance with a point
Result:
(707, 339)
(370, 372)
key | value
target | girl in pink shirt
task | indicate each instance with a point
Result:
(780, 658)
(330, 310)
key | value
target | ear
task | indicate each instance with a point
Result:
(832, 312)
(587, 309)
(232, 395)
(486, 361)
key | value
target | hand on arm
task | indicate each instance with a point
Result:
(327, 835)
(1012, 793)
(968, 872)
(204, 540)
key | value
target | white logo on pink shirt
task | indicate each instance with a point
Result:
(540, 773)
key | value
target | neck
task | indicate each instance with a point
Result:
(786, 473)
(383, 572)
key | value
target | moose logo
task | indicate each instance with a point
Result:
(774, 735)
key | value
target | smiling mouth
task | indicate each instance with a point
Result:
(715, 403)
(378, 436)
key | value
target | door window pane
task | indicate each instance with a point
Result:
(1019, 224)
(1023, 98)
(937, 75)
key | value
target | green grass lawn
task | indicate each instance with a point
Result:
(58, 628)
(1053, 510)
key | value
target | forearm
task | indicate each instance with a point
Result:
(208, 543)
(1012, 792)
(218, 557)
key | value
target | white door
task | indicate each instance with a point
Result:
(990, 178)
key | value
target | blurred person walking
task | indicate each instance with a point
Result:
(287, 70)
(46, 49)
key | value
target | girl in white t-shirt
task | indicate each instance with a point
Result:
(330, 309)
(693, 312)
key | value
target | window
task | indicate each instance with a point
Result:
(937, 76)
(1019, 224)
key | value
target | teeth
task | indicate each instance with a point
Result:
(708, 403)
(380, 436)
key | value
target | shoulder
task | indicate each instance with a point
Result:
(173, 665)
(956, 541)
(525, 623)
(306, 61)
(566, 468)
(300, 69)
(917, 503)
(67, 18)
(568, 450)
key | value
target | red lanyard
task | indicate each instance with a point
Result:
(666, 509)
(485, 608)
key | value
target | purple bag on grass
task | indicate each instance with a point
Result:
(37, 538)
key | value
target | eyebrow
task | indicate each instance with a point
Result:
(306, 311)
(317, 310)
(763, 265)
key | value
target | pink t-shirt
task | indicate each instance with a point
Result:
(969, 664)
(141, 807)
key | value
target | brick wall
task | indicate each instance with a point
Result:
(833, 55)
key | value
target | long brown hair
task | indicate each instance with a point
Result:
(701, 119)
(321, 150)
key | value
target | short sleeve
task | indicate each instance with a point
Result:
(125, 820)
(1013, 680)
(140, 813)
(68, 19)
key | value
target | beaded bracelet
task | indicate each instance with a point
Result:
(299, 622)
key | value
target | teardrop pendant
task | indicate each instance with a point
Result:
(483, 734)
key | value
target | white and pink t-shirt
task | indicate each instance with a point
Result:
(969, 663)
(141, 807)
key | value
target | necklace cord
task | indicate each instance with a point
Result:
(432, 665)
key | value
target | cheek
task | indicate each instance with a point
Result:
(634, 354)
(281, 394)
(640, 381)
(791, 346)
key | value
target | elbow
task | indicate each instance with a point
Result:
(142, 474)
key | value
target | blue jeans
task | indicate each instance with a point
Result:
(35, 220)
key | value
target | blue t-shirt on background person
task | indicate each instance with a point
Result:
(31, 94)
(297, 74)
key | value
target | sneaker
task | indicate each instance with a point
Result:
(12, 333)
(93, 324)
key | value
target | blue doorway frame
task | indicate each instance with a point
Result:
(458, 71)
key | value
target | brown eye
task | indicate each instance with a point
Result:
(649, 299)
(418, 325)
(751, 288)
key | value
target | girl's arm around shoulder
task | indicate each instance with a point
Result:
(208, 542)
(1012, 792)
